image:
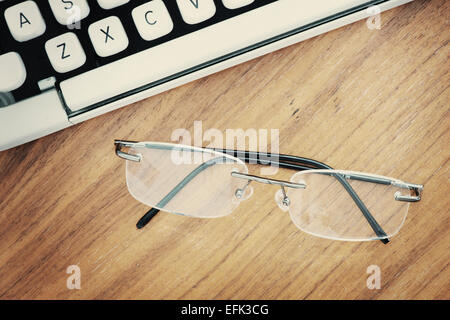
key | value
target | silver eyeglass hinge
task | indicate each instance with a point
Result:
(417, 188)
(127, 156)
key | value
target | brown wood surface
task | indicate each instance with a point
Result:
(366, 100)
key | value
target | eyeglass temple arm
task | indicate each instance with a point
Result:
(284, 161)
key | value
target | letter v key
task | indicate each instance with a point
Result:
(193, 13)
(194, 3)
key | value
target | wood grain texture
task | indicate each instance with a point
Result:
(374, 101)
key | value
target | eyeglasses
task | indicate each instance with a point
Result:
(211, 183)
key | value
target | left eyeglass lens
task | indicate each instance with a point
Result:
(185, 180)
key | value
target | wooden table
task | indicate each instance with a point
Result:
(366, 100)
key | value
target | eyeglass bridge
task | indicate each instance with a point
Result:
(282, 183)
(285, 201)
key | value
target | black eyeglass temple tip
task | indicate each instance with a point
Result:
(146, 218)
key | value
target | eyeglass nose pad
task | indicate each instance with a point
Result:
(243, 194)
(248, 192)
(282, 201)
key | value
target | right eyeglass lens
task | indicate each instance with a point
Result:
(326, 209)
(185, 180)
